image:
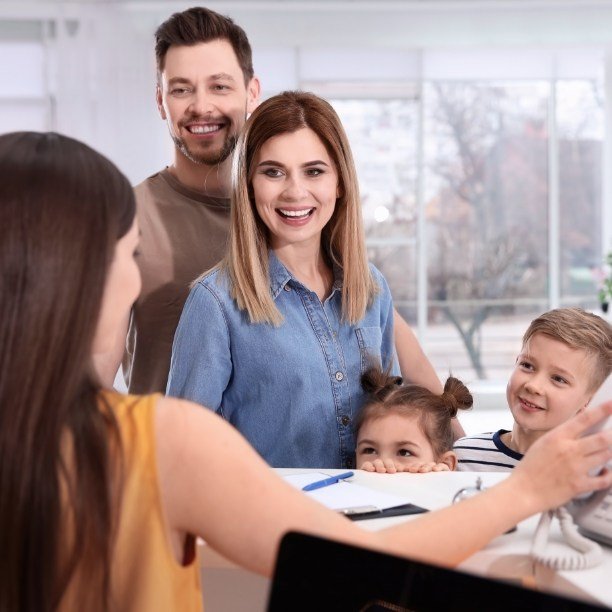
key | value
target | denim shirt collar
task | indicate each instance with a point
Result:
(280, 276)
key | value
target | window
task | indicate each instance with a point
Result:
(382, 134)
(511, 207)
(24, 101)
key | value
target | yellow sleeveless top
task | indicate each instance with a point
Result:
(145, 574)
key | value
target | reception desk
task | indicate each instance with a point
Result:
(230, 589)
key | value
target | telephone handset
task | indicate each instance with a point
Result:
(591, 514)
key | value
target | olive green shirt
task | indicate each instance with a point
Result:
(183, 234)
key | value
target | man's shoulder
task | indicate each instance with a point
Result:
(151, 184)
(163, 189)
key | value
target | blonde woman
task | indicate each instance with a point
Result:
(276, 338)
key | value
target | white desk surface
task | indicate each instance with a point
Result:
(505, 557)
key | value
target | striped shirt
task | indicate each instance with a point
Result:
(485, 453)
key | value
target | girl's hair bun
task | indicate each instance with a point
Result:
(378, 383)
(456, 396)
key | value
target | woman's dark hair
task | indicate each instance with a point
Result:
(388, 394)
(62, 209)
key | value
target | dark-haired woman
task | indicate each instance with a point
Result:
(101, 494)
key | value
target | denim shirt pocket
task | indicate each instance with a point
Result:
(370, 342)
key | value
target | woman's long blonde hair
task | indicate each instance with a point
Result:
(343, 240)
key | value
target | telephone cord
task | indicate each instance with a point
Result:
(588, 553)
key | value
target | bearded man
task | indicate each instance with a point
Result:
(205, 90)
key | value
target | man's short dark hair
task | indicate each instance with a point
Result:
(200, 25)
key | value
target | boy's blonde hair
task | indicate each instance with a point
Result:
(581, 330)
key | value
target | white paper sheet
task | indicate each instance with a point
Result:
(345, 494)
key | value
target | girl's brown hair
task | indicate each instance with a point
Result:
(388, 395)
(343, 238)
(62, 209)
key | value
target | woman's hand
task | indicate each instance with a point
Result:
(557, 467)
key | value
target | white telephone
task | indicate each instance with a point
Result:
(591, 513)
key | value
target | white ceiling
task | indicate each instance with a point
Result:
(383, 23)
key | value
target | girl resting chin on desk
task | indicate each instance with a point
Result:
(407, 428)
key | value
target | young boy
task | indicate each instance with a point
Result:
(566, 356)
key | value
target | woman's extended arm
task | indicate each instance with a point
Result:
(215, 486)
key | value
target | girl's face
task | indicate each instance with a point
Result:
(120, 291)
(394, 437)
(295, 185)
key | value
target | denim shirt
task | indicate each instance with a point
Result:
(293, 391)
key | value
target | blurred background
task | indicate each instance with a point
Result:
(481, 132)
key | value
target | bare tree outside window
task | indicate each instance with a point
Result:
(486, 147)
(487, 211)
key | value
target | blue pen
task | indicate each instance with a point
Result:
(319, 484)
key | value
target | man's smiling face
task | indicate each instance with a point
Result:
(203, 98)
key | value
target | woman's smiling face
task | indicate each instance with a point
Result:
(295, 185)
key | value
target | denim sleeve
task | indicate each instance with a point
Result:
(201, 363)
(387, 349)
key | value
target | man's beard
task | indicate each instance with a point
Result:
(207, 158)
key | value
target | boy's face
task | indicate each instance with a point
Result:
(395, 437)
(549, 384)
(203, 98)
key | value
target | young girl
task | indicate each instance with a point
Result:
(407, 428)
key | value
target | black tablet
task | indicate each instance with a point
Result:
(318, 574)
